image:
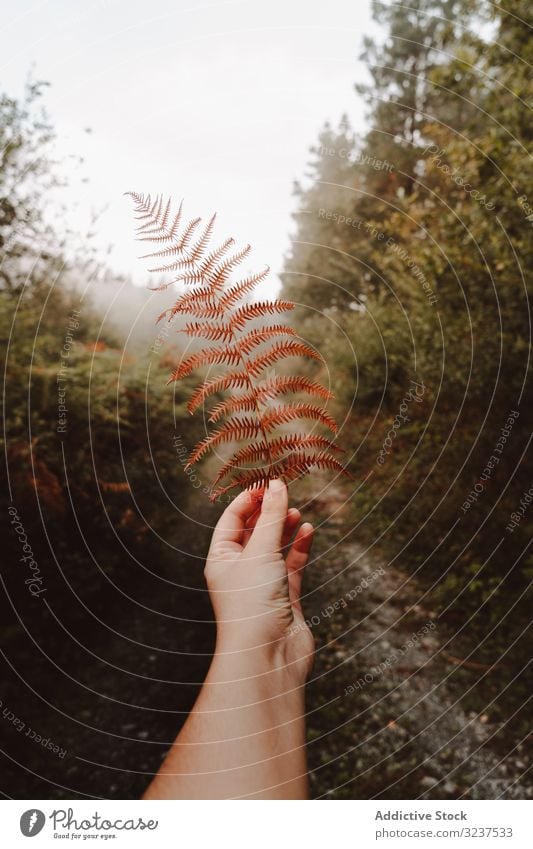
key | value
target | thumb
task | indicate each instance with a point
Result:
(268, 532)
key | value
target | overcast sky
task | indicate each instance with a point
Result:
(217, 102)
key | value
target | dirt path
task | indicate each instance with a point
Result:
(385, 714)
(385, 718)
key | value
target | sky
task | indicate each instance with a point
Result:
(214, 102)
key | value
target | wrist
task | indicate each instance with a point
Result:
(240, 658)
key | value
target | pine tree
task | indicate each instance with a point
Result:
(400, 95)
(319, 270)
(336, 263)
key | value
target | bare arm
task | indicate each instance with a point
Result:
(245, 736)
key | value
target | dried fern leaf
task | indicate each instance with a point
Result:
(222, 314)
(259, 451)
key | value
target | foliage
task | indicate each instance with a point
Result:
(434, 275)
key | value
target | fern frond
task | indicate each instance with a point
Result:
(175, 265)
(160, 231)
(143, 207)
(214, 257)
(260, 451)
(258, 310)
(208, 330)
(207, 310)
(290, 383)
(198, 250)
(242, 288)
(157, 233)
(161, 287)
(200, 294)
(179, 246)
(220, 273)
(190, 302)
(262, 334)
(235, 404)
(259, 363)
(291, 412)
(190, 276)
(234, 380)
(244, 428)
(230, 354)
(250, 401)
(290, 468)
(251, 479)
(223, 315)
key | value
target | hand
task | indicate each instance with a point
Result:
(255, 589)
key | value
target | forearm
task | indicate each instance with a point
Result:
(245, 736)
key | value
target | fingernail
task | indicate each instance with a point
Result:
(273, 492)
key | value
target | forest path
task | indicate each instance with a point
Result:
(385, 717)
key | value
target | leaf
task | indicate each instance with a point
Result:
(222, 315)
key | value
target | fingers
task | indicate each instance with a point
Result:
(291, 523)
(230, 527)
(268, 532)
(250, 525)
(293, 517)
(297, 560)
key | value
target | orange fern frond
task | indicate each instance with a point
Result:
(278, 352)
(236, 326)
(259, 395)
(291, 468)
(260, 451)
(208, 330)
(235, 293)
(218, 274)
(199, 308)
(291, 412)
(235, 404)
(187, 302)
(231, 380)
(215, 256)
(279, 385)
(258, 310)
(243, 428)
(262, 334)
(198, 249)
(158, 231)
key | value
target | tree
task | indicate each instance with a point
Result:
(400, 94)
(27, 174)
(318, 270)
(444, 296)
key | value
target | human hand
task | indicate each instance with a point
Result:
(254, 587)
